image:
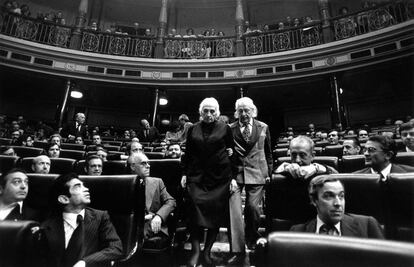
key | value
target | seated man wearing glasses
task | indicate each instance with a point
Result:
(407, 136)
(379, 152)
(158, 202)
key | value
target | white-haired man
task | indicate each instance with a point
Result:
(253, 165)
(76, 128)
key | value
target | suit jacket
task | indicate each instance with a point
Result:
(70, 129)
(351, 225)
(101, 244)
(157, 201)
(395, 168)
(253, 159)
(152, 136)
(26, 214)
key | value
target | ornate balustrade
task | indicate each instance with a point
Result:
(117, 44)
(369, 20)
(282, 40)
(36, 30)
(192, 47)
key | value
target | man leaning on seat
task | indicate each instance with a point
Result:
(327, 194)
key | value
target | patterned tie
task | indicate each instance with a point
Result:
(73, 252)
(246, 132)
(327, 230)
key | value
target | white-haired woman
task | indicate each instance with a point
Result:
(207, 176)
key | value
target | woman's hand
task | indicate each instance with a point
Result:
(183, 181)
(233, 186)
(229, 151)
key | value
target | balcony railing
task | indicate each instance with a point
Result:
(342, 27)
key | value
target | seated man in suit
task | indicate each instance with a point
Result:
(76, 128)
(351, 146)
(327, 194)
(94, 165)
(333, 137)
(148, 133)
(77, 235)
(407, 136)
(14, 186)
(380, 151)
(302, 154)
(158, 204)
(41, 164)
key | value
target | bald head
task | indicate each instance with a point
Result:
(41, 164)
(301, 150)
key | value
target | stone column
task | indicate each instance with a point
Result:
(239, 28)
(75, 40)
(159, 46)
(324, 16)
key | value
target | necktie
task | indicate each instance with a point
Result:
(73, 252)
(246, 132)
(327, 230)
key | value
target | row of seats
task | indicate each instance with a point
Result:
(390, 202)
(352, 163)
(319, 145)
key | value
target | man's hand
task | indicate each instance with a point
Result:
(229, 152)
(71, 137)
(183, 181)
(80, 264)
(156, 224)
(233, 186)
(149, 217)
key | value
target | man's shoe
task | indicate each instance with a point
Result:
(237, 259)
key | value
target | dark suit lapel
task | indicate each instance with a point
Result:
(14, 214)
(90, 227)
(256, 129)
(56, 237)
(349, 227)
(310, 227)
(149, 194)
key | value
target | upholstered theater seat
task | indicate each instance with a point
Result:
(39, 144)
(401, 206)
(71, 146)
(280, 152)
(113, 143)
(155, 155)
(406, 158)
(7, 163)
(352, 163)
(21, 244)
(114, 167)
(334, 151)
(80, 167)
(57, 165)
(148, 149)
(72, 154)
(283, 249)
(107, 147)
(325, 160)
(24, 151)
(5, 141)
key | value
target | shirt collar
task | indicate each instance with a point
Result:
(319, 223)
(384, 171)
(250, 123)
(70, 217)
(408, 150)
(20, 203)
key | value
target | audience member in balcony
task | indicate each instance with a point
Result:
(94, 165)
(333, 137)
(76, 128)
(288, 22)
(363, 135)
(406, 131)
(206, 178)
(28, 140)
(15, 8)
(148, 133)
(41, 164)
(25, 11)
(380, 152)
(189, 33)
(159, 203)
(55, 139)
(94, 26)
(253, 166)
(173, 151)
(77, 235)
(173, 34)
(296, 22)
(221, 34)
(302, 155)
(53, 150)
(327, 194)
(308, 20)
(14, 186)
(265, 28)
(58, 18)
(280, 26)
(351, 146)
(148, 33)
(79, 140)
(16, 138)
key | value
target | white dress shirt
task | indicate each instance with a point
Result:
(319, 224)
(384, 171)
(6, 210)
(70, 224)
(249, 124)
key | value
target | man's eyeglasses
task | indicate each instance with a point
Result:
(371, 150)
(144, 163)
(405, 134)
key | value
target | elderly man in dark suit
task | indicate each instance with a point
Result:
(379, 152)
(76, 235)
(158, 202)
(253, 164)
(148, 133)
(327, 194)
(14, 186)
(76, 128)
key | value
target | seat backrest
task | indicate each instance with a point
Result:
(123, 196)
(169, 170)
(80, 167)
(24, 151)
(114, 167)
(335, 151)
(406, 158)
(325, 160)
(20, 244)
(282, 145)
(40, 144)
(5, 141)
(113, 143)
(323, 143)
(306, 249)
(57, 165)
(401, 206)
(352, 163)
(280, 152)
(155, 155)
(112, 148)
(72, 154)
(148, 149)
(158, 149)
(318, 150)
(39, 188)
(7, 163)
(71, 146)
